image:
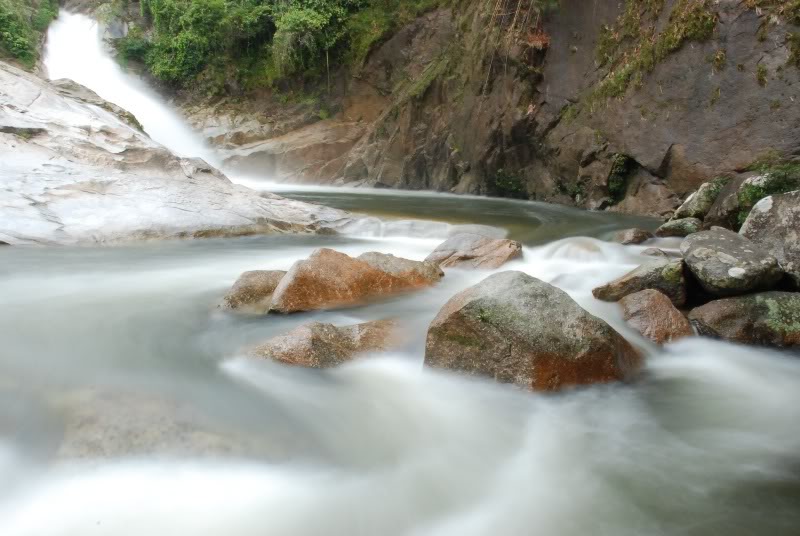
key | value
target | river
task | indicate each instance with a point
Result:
(127, 408)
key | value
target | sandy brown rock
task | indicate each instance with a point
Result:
(321, 345)
(417, 273)
(632, 236)
(252, 292)
(329, 279)
(652, 314)
(517, 329)
(467, 250)
(763, 319)
(663, 274)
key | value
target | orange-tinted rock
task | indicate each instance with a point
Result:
(321, 345)
(652, 314)
(517, 329)
(252, 292)
(329, 279)
(467, 250)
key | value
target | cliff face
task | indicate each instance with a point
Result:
(604, 104)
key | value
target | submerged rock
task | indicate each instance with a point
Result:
(727, 264)
(329, 279)
(252, 292)
(774, 223)
(321, 345)
(765, 319)
(652, 314)
(632, 236)
(517, 329)
(475, 251)
(663, 274)
(680, 228)
(76, 170)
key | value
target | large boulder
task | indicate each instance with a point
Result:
(632, 236)
(321, 345)
(517, 329)
(680, 228)
(765, 319)
(652, 314)
(252, 292)
(466, 250)
(329, 279)
(663, 274)
(774, 223)
(700, 202)
(727, 264)
(416, 272)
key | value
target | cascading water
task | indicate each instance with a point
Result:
(126, 408)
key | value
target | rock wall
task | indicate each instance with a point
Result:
(478, 100)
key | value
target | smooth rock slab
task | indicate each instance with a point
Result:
(319, 345)
(472, 251)
(652, 314)
(764, 319)
(727, 264)
(774, 223)
(680, 228)
(329, 279)
(663, 274)
(252, 292)
(517, 329)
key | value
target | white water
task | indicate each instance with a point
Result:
(706, 444)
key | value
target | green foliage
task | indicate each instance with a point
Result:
(134, 46)
(621, 168)
(507, 184)
(775, 179)
(22, 26)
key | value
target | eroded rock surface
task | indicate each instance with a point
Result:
(517, 329)
(727, 264)
(652, 314)
(320, 345)
(774, 223)
(474, 251)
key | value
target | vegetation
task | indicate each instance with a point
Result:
(774, 179)
(621, 167)
(22, 27)
(506, 184)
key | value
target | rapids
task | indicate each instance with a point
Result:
(126, 407)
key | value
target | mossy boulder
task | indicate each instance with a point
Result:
(681, 227)
(517, 329)
(764, 319)
(727, 264)
(700, 202)
(662, 274)
(774, 223)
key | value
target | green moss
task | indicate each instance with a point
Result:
(506, 184)
(462, 340)
(761, 75)
(783, 316)
(717, 184)
(672, 273)
(715, 95)
(775, 179)
(793, 41)
(621, 168)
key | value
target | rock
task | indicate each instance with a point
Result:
(774, 223)
(665, 275)
(765, 319)
(632, 236)
(647, 195)
(417, 273)
(658, 252)
(475, 252)
(682, 227)
(321, 345)
(517, 329)
(726, 263)
(76, 171)
(725, 210)
(329, 279)
(652, 314)
(252, 292)
(700, 202)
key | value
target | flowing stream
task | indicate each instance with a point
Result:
(127, 407)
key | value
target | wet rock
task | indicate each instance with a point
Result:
(475, 251)
(681, 228)
(700, 202)
(632, 236)
(252, 292)
(417, 273)
(652, 314)
(517, 329)
(321, 345)
(765, 319)
(727, 264)
(664, 275)
(329, 279)
(774, 223)
(658, 252)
